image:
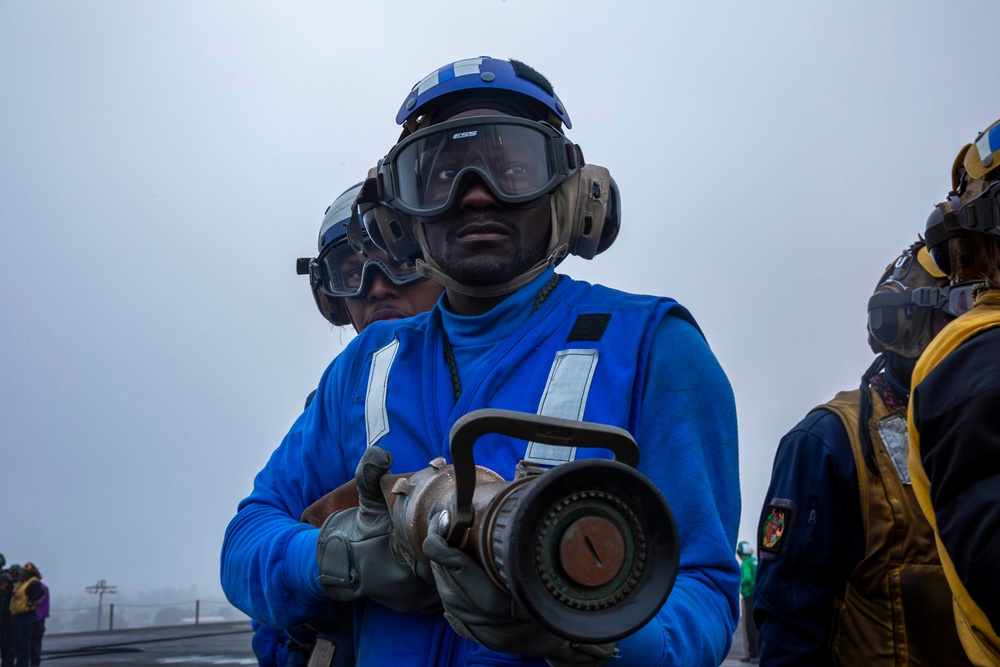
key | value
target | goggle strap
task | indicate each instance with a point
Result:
(309, 266)
(924, 297)
(367, 197)
(981, 214)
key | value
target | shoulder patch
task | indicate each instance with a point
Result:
(774, 529)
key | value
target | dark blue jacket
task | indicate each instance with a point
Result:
(815, 482)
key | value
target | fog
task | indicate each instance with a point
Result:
(163, 164)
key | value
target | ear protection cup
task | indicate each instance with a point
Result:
(587, 211)
(884, 323)
(388, 229)
(896, 321)
(942, 224)
(333, 309)
(612, 218)
(393, 232)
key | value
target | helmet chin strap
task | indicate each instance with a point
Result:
(426, 266)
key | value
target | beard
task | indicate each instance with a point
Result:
(488, 270)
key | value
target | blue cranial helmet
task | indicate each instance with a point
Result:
(340, 271)
(509, 80)
(413, 186)
(332, 231)
(336, 217)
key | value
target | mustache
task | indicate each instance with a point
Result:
(495, 217)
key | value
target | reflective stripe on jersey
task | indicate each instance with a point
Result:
(376, 415)
(564, 396)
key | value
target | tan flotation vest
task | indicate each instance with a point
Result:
(19, 600)
(897, 608)
(978, 636)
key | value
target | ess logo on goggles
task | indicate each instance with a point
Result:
(518, 159)
(339, 271)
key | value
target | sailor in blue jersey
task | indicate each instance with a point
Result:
(349, 289)
(490, 218)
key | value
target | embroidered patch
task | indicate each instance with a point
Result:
(774, 529)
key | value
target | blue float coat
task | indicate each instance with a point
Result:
(656, 377)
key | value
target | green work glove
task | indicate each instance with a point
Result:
(479, 610)
(358, 555)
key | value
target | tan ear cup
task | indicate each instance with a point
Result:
(579, 209)
(397, 233)
(333, 309)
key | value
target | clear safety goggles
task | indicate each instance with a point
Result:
(520, 160)
(339, 271)
(954, 300)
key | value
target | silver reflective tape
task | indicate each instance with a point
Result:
(454, 70)
(984, 147)
(565, 396)
(322, 653)
(376, 416)
(894, 434)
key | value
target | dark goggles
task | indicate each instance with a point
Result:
(954, 300)
(980, 214)
(340, 272)
(520, 160)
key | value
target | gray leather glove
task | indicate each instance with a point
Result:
(358, 555)
(479, 610)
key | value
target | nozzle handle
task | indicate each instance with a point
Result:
(533, 428)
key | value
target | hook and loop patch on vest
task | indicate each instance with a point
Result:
(774, 529)
(589, 327)
(376, 415)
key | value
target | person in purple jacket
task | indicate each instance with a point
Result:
(486, 194)
(23, 604)
(41, 613)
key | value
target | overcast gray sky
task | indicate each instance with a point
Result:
(163, 163)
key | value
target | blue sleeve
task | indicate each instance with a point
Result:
(799, 575)
(268, 566)
(270, 646)
(687, 437)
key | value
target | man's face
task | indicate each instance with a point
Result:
(482, 242)
(386, 300)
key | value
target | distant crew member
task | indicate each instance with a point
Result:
(748, 565)
(848, 571)
(955, 408)
(23, 603)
